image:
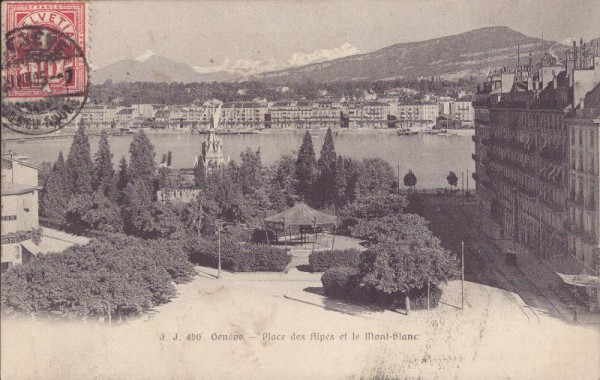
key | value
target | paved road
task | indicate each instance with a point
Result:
(484, 260)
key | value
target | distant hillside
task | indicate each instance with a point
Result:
(463, 55)
(152, 68)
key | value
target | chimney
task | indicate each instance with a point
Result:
(554, 80)
(169, 159)
(575, 60)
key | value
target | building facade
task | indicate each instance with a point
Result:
(584, 184)
(19, 198)
(522, 150)
(463, 110)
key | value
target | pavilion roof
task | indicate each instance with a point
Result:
(301, 215)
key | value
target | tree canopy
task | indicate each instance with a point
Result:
(452, 179)
(103, 167)
(79, 165)
(326, 192)
(306, 168)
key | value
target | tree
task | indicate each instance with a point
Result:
(79, 164)
(341, 184)
(325, 191)
(141, 164)
(452, 179)
(283, 183)
(250, 174)
(353, 169)
(170, 178)
(199, 215)
(44, 173)
(376, 176)
(103, 167)
(306, 166)
(376, 206)
(113, 275)
(404, 256)
(147, 219)
(199, 176)
(56, 192)
(410, 180)
(93, 212)
(121, 181)
(135, 199)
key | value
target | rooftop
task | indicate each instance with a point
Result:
(9, 188)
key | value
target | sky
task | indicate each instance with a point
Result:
(205, 33)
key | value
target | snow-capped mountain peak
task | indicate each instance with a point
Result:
(145, 56)
(248, 67)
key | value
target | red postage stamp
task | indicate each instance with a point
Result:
(45, 49)
(45, 72)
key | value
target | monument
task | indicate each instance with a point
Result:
(212, 156)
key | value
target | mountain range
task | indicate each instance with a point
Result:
(465, 55)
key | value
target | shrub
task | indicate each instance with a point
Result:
(320, 261)
(254, 257)
(237, 257)
(171, 256)
(117, 274)
(418, 297)
(340, 281)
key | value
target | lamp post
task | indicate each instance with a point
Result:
(428, 300)
(462, 280)
(218, 224)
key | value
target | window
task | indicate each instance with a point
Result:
(592, 138)
(26, 205)
(580, 137)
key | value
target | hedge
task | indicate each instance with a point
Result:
(344, 283)
(320, 261)
(418, 297)
(339, 282)
(237, 257)
(117, 274)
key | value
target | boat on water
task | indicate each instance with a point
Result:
(406, 132)
(437, 131)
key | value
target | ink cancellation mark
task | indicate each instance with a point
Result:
(45, 70)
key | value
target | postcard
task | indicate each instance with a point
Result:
(300, 189)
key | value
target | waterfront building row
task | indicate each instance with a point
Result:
(284, 114)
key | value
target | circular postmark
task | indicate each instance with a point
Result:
(44, 81)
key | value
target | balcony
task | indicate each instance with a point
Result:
(579, 198)
(590, 237)
(590, 203)
(548, 202)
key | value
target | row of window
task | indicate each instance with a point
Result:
(577, 137)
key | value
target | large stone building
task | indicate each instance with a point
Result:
(462, 110)
(522, 147)
(584, 183)
(19, 210)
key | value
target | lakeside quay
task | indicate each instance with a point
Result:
(430, 157)
(68, 132)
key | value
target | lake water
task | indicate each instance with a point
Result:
(430, 157)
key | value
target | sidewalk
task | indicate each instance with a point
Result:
(537, 271)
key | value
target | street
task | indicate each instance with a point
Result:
(453, 220)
